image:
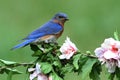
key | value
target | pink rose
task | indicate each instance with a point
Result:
(68, 49)
(109, 53)
(36, 73)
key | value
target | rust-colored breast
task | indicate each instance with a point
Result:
(52, 35)
(62, 25)
(46, 37)
(59, 34)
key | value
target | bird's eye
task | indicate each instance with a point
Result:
(60, 16)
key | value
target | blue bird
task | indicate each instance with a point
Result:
(48, 32)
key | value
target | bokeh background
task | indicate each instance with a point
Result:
(91, 21)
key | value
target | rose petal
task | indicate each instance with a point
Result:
(31, 69)
(99, 52)
(111, 67)
(118, 61)
(42, 77)
(70, 55)
(33, 75)
(38, 70)
(62, 57)
(110, 55)
(67, 49)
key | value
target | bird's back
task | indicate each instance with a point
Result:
(49, 28)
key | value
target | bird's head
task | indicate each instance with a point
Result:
(60, 18)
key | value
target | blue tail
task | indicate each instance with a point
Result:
(25, 43)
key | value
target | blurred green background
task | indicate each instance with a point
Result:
(91, 21)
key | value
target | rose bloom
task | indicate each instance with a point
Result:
(68, 49)
(109, 54)
(36, 73)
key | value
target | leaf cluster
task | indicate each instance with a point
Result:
(80, 63)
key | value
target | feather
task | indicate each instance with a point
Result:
(25, 43)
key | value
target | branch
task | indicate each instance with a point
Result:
(14, 65)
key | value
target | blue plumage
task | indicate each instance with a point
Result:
(53, 28)
(49, 28)
(25, 43)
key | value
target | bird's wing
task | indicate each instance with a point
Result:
(25, 43)
(46, 29)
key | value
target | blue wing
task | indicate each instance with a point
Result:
(47, 29)
(25, 43)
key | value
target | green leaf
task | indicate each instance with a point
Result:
(37, 53)
(76, 59)
(112, 76)
(57, 63)
(46, 67)
(67, 68)
(14, 71)
(8, 62)
(87, 67)
(55, 76)
(11, 72)
(49, 57)
(48, 50)
(116, 35)
(117, 72)
(9, 76)
(2, 70)
(88, 52)
(95, 72)
(81, 62)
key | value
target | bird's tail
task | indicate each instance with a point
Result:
(26, 42)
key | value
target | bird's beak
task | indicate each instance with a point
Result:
(66, 19)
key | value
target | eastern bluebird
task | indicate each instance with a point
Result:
(48, 32)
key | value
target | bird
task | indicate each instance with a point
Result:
(48, 32)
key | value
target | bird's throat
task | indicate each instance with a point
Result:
(59, 22)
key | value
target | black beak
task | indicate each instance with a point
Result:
(67, 19)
